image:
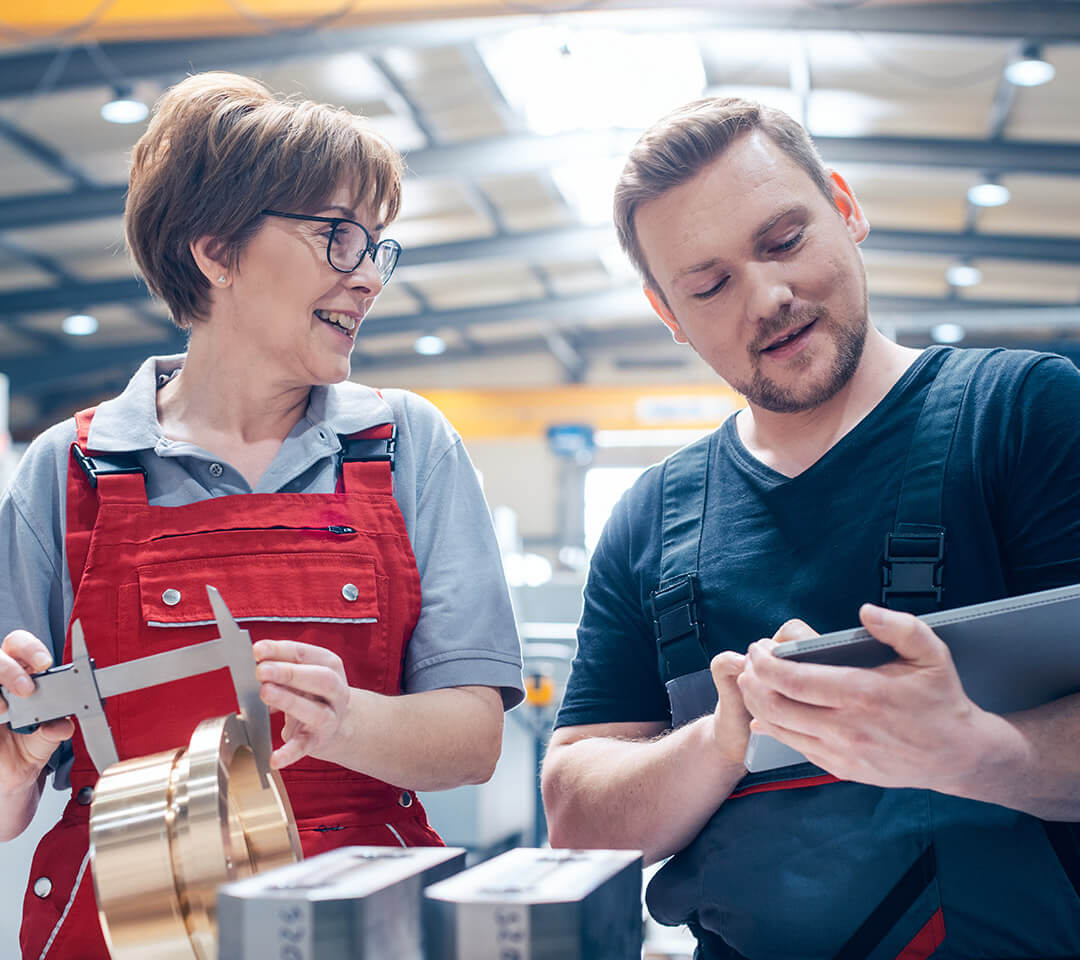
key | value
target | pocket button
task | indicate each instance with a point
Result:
(42, 887)
(85, 796)
(405, 799)
(350, 592)
(171, 597)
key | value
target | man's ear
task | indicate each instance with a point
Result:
(665, 314)
(855, 220)
(209, 256)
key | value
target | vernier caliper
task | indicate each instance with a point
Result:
(79, 689)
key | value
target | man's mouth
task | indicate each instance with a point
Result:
(787, 337)
(343, 321)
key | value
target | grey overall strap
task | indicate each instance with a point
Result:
(683, 656)
(912, 570)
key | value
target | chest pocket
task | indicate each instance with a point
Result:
(299, 588)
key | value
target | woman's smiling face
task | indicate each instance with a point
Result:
(298, 316)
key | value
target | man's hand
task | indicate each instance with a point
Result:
(907, 723)
(307, 683)
(23, 756)
(731, 720)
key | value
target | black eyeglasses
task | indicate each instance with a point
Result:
(348, 242)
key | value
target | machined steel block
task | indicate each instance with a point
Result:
(539, 905)
(356, 903)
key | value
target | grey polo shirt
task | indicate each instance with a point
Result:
(466, 632)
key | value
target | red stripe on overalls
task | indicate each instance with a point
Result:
(338, 568)
(815, 781)
(927, 940)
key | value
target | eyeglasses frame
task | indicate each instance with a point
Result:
(370, 250)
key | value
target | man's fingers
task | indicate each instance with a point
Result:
(912, 639)
(726, 665)
(794, 630)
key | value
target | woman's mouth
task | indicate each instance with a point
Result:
(346, 322)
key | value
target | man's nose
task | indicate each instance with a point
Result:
(769, 291)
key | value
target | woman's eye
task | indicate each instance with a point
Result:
(789, 244)
(712, 291)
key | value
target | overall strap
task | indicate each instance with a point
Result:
(912, 572)
(91, 481)
(673, 604)
(366, 460)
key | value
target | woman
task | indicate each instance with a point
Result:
(251, 463)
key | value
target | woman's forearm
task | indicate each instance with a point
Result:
(433, 740)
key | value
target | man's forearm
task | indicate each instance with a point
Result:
(653, 795)
(1030, 761)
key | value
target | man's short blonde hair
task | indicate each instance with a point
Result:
(679, 146)
(220, 149)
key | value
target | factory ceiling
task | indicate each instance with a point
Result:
(513, 118)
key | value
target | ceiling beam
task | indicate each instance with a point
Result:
(564, 243)
(1051, 22)
(524, 153)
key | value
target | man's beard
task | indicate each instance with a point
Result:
(849, 338)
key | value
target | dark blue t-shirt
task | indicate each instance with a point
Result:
(811, 546)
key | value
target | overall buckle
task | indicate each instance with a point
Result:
(913, 567)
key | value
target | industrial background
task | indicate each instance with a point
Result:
(956, 124)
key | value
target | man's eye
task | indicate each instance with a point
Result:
(789, 244)
(712, 291)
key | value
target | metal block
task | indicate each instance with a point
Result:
(356, 903)
(539, 905)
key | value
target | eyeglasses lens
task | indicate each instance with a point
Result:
(350, 244)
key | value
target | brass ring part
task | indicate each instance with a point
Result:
(166, 830)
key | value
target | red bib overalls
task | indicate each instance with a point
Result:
(335, 570)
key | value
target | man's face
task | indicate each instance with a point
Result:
(761, 274)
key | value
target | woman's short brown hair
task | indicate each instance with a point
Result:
(678, 146)
(221, 148)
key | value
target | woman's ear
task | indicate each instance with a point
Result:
(208, 254)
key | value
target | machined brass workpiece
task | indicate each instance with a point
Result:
(168, 829)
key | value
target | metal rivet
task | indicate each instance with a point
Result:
(350, 592)
(85, 796)
(405, 799)
(171, 597)
(42, 887)
(216, 469)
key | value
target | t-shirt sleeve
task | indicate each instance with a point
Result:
(466, 634)
(615, 677)
(1040, 485)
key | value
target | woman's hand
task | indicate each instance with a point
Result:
(307, 683)
(23, 756)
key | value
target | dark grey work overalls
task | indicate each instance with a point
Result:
(796, 864)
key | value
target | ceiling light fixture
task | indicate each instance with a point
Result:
(124, 108)
(947, 333)
(988, 194)
(963, 275)
(79, 325)
(1030, 70)
(430, 345)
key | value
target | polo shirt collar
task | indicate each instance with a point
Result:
(128, 422)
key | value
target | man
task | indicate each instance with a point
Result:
(922, 824)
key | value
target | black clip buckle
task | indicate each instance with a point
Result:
(676, 624)
(93, 470)
(915, 570)
(369, 449)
